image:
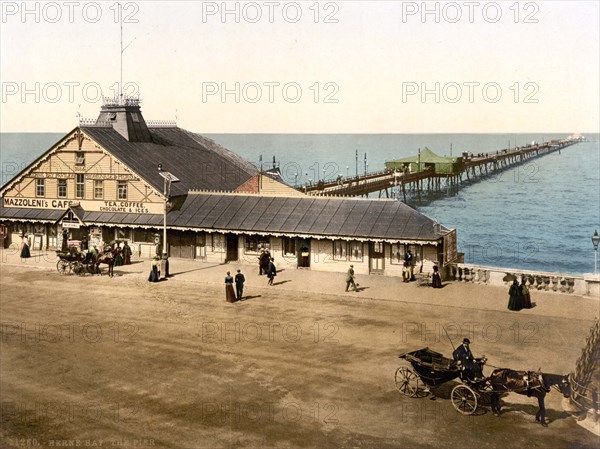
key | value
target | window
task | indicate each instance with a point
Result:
(123, 234)
(254, 243)
(40, 187)
(144, 235)
(80, 158)
(218, 243)
(397, 256)
(122, 190)
(201, 246)
(62, 188)
(339, 250)
(289, 246)
(80, 186)
(98, 189)
(356, 251)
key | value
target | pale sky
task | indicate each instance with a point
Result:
(307, 67)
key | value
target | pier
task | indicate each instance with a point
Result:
(403, 184)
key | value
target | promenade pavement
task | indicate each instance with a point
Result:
(372, 287)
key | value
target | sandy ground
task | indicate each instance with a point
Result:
(94, 361)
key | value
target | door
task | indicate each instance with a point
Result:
(376, 258)
(181, 244)
(232, 247)
(303, 253)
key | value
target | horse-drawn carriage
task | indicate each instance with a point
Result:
(80, 263)
(431, 369)
(75, 262)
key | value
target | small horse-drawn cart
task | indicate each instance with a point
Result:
(74, 262)
(431, 369)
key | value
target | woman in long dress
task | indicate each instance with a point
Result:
(525, 296)
(154, 276)
(436, 280)
(514, 297)
(229, 292)
(25, 247)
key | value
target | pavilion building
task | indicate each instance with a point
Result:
(102, 182)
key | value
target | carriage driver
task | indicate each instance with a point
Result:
(470, 364)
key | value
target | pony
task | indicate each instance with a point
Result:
(106, 258)
(536, 384)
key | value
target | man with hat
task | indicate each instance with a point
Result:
(350, 279)
(465, 359)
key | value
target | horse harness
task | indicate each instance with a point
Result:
(530, 377)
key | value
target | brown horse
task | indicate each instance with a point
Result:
(536, 384)
(106, 258)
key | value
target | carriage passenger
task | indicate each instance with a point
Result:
(470, 364)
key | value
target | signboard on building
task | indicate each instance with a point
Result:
(450, 252)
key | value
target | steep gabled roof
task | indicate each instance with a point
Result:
(198, 162)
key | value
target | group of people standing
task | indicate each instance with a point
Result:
(266, 265)
(518, 296)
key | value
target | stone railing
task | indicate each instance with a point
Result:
(550, 282)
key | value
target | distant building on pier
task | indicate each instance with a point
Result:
(427, 160)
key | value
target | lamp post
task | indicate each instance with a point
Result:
(168, 179)
(595, 242)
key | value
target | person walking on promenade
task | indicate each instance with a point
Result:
(127, 253)
(239, 285)
(229, 293)
(408, 261)
(350, 279)
(25, 247)
(436, 280)
(525, 296)
(514, 297)
(271, 271)
(154, 273)
(261, 262)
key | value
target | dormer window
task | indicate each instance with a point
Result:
(80, 158)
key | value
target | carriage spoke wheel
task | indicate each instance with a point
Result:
(408, 383)
(63, 267)
(464, 399)
(79, 269)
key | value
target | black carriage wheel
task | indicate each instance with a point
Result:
(63, 267)
(484, 393)
(464, 399)
(408, 383)
(78, 268)
(91, 268)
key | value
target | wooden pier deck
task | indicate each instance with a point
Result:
(402, 183)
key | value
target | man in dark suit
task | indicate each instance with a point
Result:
(470, 364)
(239, 285)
